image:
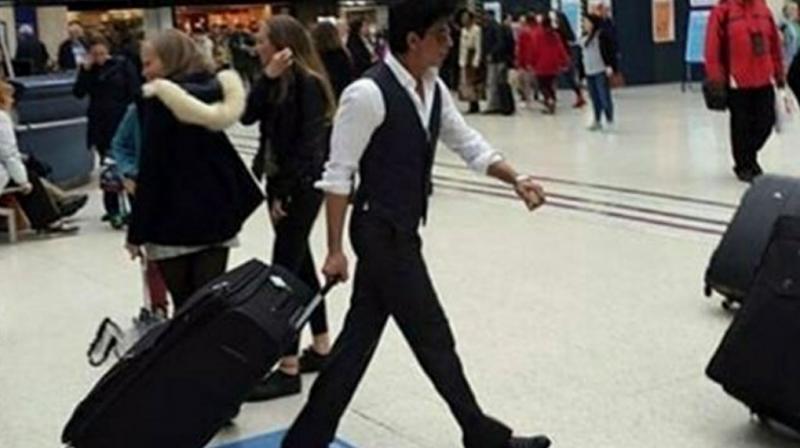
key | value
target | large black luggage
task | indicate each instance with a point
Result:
(734, 263)
(758, 361)
(185, 379)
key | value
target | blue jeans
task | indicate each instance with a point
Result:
(600, 92)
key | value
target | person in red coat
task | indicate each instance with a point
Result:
(743, 54)
(549, 58)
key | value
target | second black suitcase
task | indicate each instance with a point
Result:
(184, 380)
(733, 264)
(758, 361)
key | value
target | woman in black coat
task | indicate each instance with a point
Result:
(294, 104)
(363, 56)
(111, 83)
(337, 61)
(193, 192)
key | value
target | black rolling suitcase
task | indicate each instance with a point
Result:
(734, 262)
(758, 361)
(185, 379)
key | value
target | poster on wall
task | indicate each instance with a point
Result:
(696, 37)
(663, 21)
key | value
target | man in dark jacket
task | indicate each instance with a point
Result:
(72, 51)
(495, 47)
(111, 83)
(32, 57)
(243, 57)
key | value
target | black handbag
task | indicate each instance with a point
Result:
(715, 96)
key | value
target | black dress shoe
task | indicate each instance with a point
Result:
(277, 385)
(528, 442)
(72, 205)
(745, 175)
(311, 361)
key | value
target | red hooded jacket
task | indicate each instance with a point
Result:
(549, 56)
(746, 31)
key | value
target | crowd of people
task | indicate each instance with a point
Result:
(530, 53)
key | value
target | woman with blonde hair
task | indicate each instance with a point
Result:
(294, 103)
(193, 192)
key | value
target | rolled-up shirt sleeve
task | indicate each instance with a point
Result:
(361, 111)
(462, 139)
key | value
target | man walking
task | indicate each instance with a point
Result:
(387, 128)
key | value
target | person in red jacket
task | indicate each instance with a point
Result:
(743, 54)
(550, 59)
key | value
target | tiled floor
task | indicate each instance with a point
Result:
(585, 320)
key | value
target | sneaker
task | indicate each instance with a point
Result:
(579, 104)
(276, 385)
(311, 361)
(596, 126)
(611, 126)
(528, 442)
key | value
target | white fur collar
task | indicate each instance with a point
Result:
(188, 109)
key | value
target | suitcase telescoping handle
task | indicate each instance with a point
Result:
(315, 302)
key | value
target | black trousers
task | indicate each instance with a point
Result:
(752, 120)
(391, 280)
(291, 249)
(185, 275)
(38, 205)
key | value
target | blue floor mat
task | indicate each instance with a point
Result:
(272, 440)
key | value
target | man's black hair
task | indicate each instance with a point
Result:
(415, 16)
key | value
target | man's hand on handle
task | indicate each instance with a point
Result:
(335, 268)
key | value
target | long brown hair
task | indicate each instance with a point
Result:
(283, 32)
(179, 54)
